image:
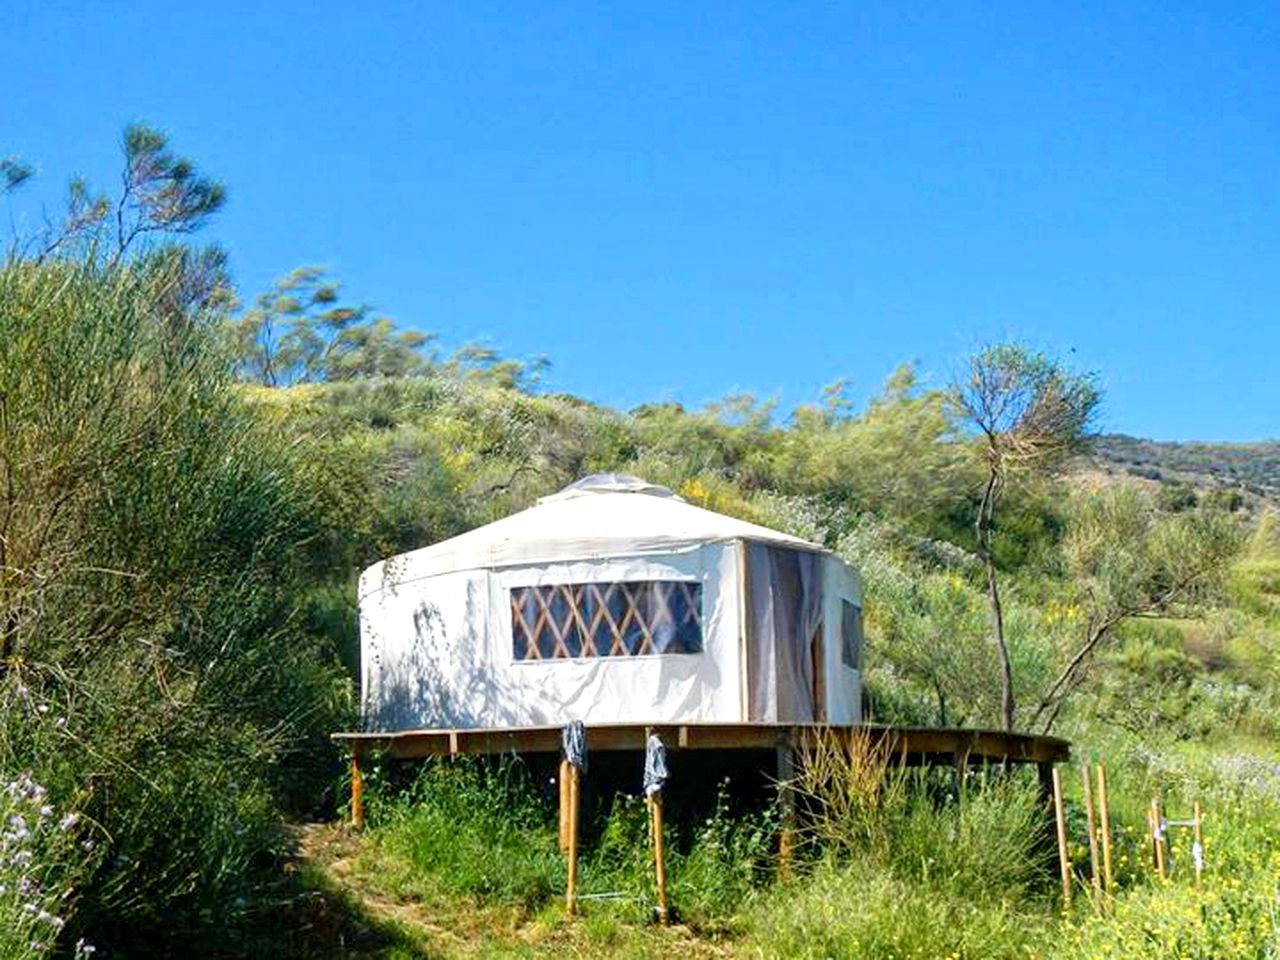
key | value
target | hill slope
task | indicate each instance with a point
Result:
(1252, 468)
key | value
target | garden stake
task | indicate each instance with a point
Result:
(357, 792)
(1197, 850)
(655, 778)
(1095, 877)
(564, 805)
(1064, 859)
(571, 889)
(1104, 826)
(1157, 836)
(659, 862)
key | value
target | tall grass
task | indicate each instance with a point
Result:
(981, 835)
(485, 830)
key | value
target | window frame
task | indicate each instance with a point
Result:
(587, 627)
(848, 604)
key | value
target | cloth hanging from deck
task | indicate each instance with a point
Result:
(655, 765)
(575, 745)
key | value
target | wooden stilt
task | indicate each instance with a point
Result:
(571, 891)
(787, 802)
(1044, 775)
(1064, 857)
(357, 792)
(1095, 872)
(1157, 839)
(564, 805)
(1104, 827)
(659, 858)
(961, 761)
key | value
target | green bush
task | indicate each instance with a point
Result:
(151, 668)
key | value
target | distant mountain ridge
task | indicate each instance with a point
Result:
(1252, 468)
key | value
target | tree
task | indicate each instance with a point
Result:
(1129, 559)
(897, 458)
(1030, 413)
(300, 332)
(161, 194)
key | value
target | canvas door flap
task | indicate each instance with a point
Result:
(785, 607)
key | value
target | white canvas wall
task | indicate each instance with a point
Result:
(844, 685)
(437, 650)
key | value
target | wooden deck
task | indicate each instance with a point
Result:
(915, 744)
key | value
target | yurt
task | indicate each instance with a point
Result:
(612, 601)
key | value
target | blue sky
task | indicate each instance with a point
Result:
(675, 201)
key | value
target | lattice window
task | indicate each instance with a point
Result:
(850, 635)
(621, 619)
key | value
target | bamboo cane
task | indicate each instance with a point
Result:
(1064, 858)
(1104, 827)
(571, 890)
(659, 860)
(1095, 875)
(357, 792)
(564, 805)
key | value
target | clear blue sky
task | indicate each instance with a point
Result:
(679, 200)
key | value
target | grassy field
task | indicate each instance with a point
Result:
(464, 864)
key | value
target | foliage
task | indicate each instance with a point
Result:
(866, 911)
(189, 493)
(150, 530)
(474, 829)
(1127, 559)
(39, 864)
(1030, 413)
(299, 332)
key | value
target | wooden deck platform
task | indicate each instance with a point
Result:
(916, 744)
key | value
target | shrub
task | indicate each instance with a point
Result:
(151, 537)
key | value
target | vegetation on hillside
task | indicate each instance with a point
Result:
(189, 488)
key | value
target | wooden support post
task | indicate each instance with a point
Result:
(961, 761)
(786, 760)
(357, 791)
(1044, 773)
(1157, 839)
(659, 859)
(1095, 873)
(1197, 852)
(1064, 857)
(1104, 827)
(564, 805)
(571, 890)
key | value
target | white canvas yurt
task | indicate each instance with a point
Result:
(613, 601)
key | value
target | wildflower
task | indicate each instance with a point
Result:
(68, 821)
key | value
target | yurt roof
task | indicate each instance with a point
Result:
(605, 515)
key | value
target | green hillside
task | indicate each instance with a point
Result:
(189, 489)
(1251, 468)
